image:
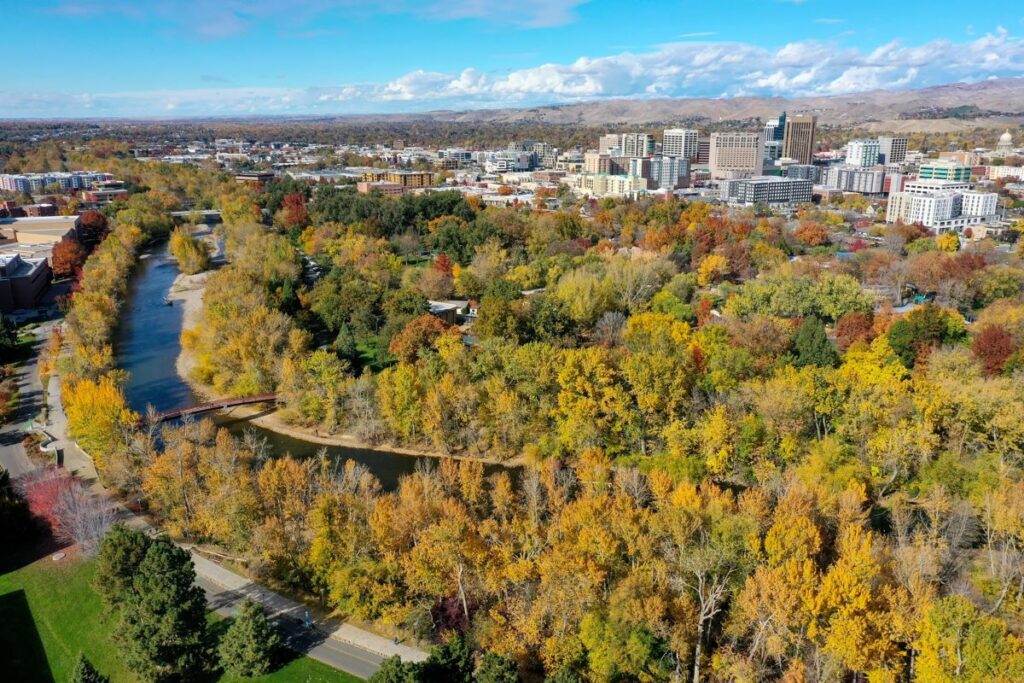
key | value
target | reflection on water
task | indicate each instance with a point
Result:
(147, 342)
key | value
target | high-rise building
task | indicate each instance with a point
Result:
(637, 144)
(862, 153)
(854, 179)
(892, 150)
(735, 155)
(703, 150)
(669, 173)
(780, 130)
(680, 142)
(606, 142)
(798, 140)
(771, 128)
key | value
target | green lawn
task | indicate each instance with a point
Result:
(49, 614)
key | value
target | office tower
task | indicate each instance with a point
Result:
(735, 155)
(637, 144)
(606, 142)
(780, 129)
(892, 150)
(862, 153)
(679, 142)
(703, 150)
(771, 130)
(798, 140)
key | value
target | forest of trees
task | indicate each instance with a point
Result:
(739, 463)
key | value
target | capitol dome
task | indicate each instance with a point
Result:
(1006, 138)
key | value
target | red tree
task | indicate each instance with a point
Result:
(853, 327)
(443, 265)
(68, 257)
(993, 346)
(92, 228)
(42, 490)
(417, 334)
(293, 211)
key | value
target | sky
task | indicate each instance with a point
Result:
(181, 58)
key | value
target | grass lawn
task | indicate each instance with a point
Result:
(49, 614)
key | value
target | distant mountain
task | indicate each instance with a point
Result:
(993, 103)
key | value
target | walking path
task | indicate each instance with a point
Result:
(328, 640)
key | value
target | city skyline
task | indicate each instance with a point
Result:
(246, 57)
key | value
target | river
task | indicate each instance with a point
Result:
(147, 342)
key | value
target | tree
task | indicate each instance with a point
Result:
(811, 233)
(164, 628)
(813, 346)
(193, 254)
(496, 669)
(712, 269)
(993, 346)
(948, 242)
(248, 645)
(68, 257)
(98, 416)
(293, 211)
(92, 229)
(394, 670)
(852, 327)
(959, 644)
(85, 672)
(419, 333)
(451, 661)
(121, 552)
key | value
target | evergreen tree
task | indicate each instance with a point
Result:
(121, 552)
(394, 670)
(85, 672)
(497, 669)
(449, 662)
(813, 346)
(249, 644)
(163, 629)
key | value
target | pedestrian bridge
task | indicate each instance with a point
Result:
(223, 404)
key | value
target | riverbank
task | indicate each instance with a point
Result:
(187, 292)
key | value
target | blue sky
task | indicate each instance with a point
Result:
(88, 58)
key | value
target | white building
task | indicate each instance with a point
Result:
(854, 179)
(670, 172)
(943, 210)
(997, 172)
(637, 144)
(735, 155)
(976, 203)
(680, 142)
(37, 182)
(862, 153)
(606, 143)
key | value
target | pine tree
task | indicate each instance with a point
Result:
(164, 627)
(497, 669)
(813, 346)
(85, 672)
(248, 646)
(121, 552)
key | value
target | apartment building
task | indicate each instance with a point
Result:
(637, 144)
(735, 155)
(680, 142)
(892, 150)
(38, 182)
(767, 190)
(862, 153)
(854, 179)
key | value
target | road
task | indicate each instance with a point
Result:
(324, 639)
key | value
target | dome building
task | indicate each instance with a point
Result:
(1005, 144)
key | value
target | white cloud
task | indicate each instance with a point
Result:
(680, 69)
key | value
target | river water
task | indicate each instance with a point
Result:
(147, 343)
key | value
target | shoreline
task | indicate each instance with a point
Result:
(187, 290)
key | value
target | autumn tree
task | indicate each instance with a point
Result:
(993, 346)
(68, 257)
